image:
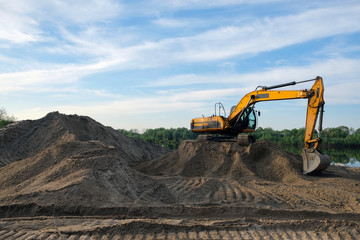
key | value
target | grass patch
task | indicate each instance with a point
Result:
(3, 123)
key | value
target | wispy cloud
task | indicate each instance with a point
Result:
(171, 22)
(180, 100)
(330, 68)
(264, 35)
(81, 11)
(17, 22)
(203, 4)
(222, 43)
(26, 21)
(55, 47)
(41, 80)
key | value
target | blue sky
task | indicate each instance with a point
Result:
(148, 64)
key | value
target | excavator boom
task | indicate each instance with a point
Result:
(242, 119)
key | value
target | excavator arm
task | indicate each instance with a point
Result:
(239, 120)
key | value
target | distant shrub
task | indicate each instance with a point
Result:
(5, 119)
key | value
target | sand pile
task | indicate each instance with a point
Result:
(260, 175)
(74, 161)
(228, 160)
(27, 138)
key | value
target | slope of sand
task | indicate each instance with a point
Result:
(71, 161)
(260, 175)
(68, 176)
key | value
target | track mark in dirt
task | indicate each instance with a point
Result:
(253, 232)
(2, 232)
(292, 234)
(95, 237)
(225, 234)
(347, 235)
(179, 185)
(212, 190)
(234, 234)
(245, 234)
(4, 162)
(220, 193)
(230, 194)
(203, 235)
(271, 198)
(355, 233)
(117, 237)
(181, 235)
(214, 234)
(48, 236)
(17, 235)
(73, 237)
(192, 235)
(84, 237)
(7, 235)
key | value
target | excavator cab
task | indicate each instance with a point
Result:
(247, 122)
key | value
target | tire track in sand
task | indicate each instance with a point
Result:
(254, 232)
(220, 190)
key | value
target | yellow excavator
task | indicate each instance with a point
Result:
(243, 119)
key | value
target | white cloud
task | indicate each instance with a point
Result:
(41, 80)
(82, 11)
(171, 22)
(265, 35)
(203, 4)
(21, 21)
(342, 92)
(337, 67)
(253, 38)
(222, 43)
(16, 22)
(84, 38)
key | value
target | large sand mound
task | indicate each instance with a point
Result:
(228, 160)
(259, 175)
(27, 138)
(74, 161)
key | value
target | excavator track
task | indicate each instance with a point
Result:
(243, 140)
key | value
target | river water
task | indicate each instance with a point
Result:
(347, 156)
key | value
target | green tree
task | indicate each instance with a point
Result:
(168, 138)
(341, 136)
(5, 119)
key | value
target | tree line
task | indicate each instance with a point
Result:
(339, 137)
(167, 138)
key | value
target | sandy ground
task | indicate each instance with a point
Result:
(69, 177)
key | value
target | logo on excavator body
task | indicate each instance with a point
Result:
(262, 95)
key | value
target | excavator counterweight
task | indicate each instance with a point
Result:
(243, 119)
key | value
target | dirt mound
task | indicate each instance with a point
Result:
(228, 160)
(74, 161)
(260, 175)
(27, 138)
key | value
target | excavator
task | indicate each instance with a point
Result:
(243, 119)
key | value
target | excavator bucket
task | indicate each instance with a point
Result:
(314, 161)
